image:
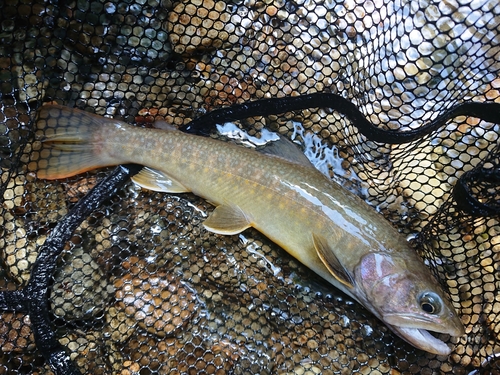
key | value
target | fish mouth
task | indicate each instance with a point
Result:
(423, 339)
(415, 330)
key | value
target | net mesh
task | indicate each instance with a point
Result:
(140, 287)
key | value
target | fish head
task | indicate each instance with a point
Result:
(408, 299)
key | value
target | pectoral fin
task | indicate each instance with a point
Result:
(331, 262)
(155, 180)
(227, 220)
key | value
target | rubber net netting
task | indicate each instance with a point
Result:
(140, 287)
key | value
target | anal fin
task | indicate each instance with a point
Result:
(331, 262)
(155, 180)
(227, 220)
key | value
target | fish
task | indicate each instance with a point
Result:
(276, 191)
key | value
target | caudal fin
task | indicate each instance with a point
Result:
(70, 141)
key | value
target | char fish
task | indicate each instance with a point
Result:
(330, 230)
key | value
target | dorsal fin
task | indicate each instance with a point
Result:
(162, 124)
(286, 149)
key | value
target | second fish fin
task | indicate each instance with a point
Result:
(227, 220)
(155, 180)
(331, 262)
(286, 149)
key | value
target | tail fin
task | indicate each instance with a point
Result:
(72, 142)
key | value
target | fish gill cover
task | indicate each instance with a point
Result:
(99, 277)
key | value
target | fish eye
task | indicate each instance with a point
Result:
(430, 303)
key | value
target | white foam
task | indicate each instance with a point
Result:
(230, 130)
(326, 158)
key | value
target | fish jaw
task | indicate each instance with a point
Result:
(422, 339)
(451, 326)
(415, 330)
